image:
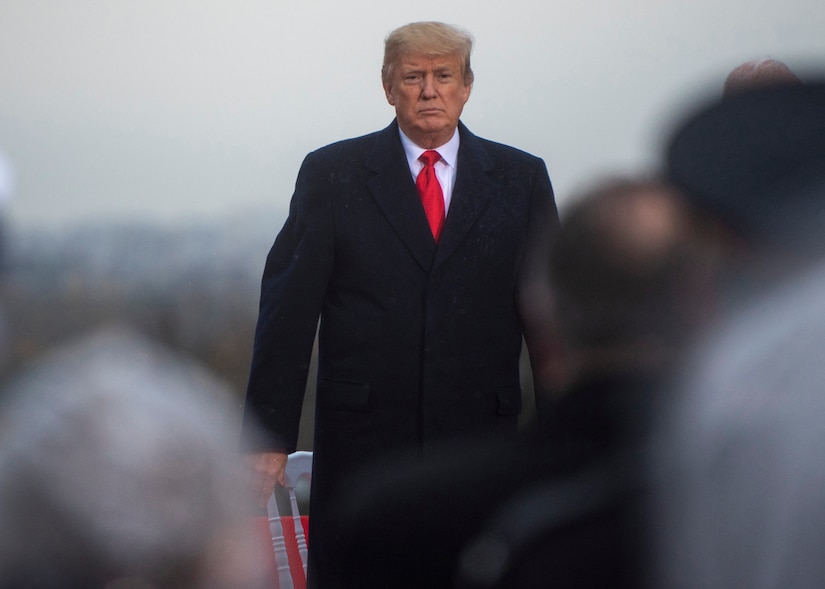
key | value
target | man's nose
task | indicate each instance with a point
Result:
(428, 87)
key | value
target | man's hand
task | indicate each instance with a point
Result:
(266, 470)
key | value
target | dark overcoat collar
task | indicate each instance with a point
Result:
(394, 190)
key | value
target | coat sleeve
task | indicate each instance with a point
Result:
(535, 295)
(294, 283)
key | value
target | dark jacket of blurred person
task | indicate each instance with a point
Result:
(624, 270)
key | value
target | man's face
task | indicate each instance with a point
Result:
(428, 94)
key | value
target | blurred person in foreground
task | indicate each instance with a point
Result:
(117, 470)
(740, 494)
(627, 281)
(423, 248)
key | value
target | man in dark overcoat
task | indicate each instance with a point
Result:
(422, 312)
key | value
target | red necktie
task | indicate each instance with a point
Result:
(431, 195)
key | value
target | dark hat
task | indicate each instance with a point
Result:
(757, 162)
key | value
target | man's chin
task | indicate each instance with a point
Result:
(435, 126)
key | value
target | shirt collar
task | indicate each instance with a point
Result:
(448, 151)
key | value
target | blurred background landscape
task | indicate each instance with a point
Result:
(193, 288)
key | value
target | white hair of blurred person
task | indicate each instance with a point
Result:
(118, 469)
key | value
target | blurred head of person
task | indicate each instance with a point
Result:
(758, 73)
(117, 468)
(755, 163)
(630, 275)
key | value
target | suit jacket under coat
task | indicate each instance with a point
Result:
(418, 342)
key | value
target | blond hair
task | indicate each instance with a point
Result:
(430, 39)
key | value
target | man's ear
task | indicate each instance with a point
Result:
(467, 91)
(388, 93)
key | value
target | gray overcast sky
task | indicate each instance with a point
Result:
(151, 108)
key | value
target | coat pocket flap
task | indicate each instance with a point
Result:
(346, 396)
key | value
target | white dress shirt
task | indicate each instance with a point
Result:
(444, 168)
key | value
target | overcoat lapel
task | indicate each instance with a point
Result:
(394, 191)
(471, 194)
(396, 195)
